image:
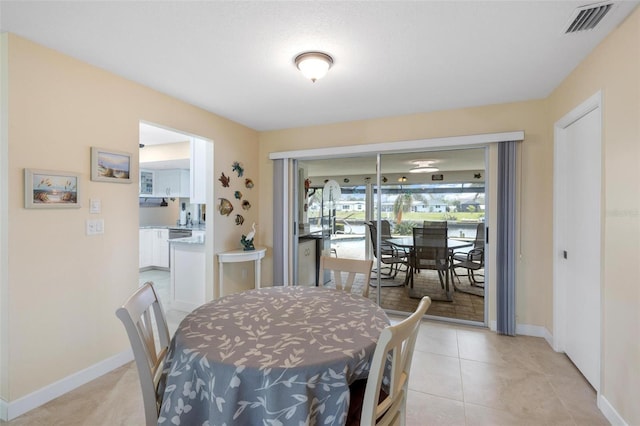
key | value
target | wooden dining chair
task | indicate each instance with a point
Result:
(144, 321)
(350, 268)
(394, 352)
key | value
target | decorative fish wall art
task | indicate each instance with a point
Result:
(237, 167)
(224, 180)
(225, 207)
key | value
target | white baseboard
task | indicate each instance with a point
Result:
(535, 331)
(528, 330)
(609, 412)
(11, 410)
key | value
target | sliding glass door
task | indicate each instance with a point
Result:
(339, 199)
(332, 210)
(436, 189)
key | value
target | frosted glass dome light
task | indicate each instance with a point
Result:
(314, 65)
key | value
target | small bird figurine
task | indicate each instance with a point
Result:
(247, 240)
(251, 234)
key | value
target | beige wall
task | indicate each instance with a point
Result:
(614, 68)
(62, 286)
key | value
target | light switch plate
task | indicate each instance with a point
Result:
(99, 226)
(91, 227)
(95, 226)
(95, 205)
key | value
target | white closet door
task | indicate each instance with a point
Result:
(580, 210)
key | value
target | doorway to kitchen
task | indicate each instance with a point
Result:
(174, 197)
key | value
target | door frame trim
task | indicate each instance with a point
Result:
(559, 294)
(400, 146)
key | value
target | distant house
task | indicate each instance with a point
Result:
(351, 206)
(431, 208)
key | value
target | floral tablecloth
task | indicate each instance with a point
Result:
(273, 356)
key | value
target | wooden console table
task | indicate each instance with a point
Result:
(240, 255)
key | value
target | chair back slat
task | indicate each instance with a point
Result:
(350, 268)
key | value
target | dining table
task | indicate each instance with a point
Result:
(271, 356)
(453, 244)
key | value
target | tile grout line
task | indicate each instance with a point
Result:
(464, 402)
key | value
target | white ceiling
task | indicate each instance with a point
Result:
(235, 58)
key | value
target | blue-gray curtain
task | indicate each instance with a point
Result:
(279, 171)
(506, 239)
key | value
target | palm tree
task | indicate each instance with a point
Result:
(401, 204)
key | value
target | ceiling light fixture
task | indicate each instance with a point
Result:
(423, 169)
(423, 166)
(313, 65)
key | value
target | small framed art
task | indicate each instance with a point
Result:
(110, 166)
(48, 189)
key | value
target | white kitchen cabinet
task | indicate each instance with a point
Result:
(161, 248)
(187, 276)
(154, 248)
(198, 234)
(146, 248)
(198, 171)
(146, 183)
(171, 183)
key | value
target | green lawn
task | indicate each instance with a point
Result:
(416, 216)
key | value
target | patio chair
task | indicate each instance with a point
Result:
(473, 260)
(434, 223)
(390, 256)
(430, 251)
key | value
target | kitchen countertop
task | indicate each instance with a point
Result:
(200, 227)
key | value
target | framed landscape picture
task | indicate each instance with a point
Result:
(110, 166)
(48, 189)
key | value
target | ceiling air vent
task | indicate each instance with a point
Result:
(587, 17)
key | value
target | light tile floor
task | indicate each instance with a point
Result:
(461, 375)
(162, 283)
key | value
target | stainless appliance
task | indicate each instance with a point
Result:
(179, 233)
